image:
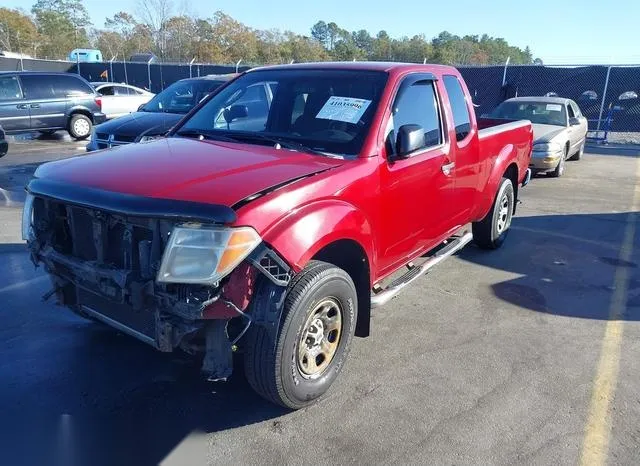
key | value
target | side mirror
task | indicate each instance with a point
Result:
(140, 107)
(410, 138)
(574, 121)
(234, 112)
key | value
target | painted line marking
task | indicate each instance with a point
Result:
(598, 429)
(22, 284)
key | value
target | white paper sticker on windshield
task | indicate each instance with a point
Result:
(345, 109)
(554, 107)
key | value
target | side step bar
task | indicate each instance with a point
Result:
(383, 297)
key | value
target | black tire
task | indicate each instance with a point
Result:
(492, 230)
(578, 155)
(559, 171)
(80, 126)
(273, 365)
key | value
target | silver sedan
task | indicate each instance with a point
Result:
(559, 129)
(120, 99)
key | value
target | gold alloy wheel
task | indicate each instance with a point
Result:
(320, 338)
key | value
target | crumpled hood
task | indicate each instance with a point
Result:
(187, 169)
(545, 133)
(140, 123)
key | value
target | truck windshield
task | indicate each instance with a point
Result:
(544, 113)
(322, 111)
(180, 97)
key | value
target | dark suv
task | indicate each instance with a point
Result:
(46, 102)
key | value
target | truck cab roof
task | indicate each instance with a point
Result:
(365, 66)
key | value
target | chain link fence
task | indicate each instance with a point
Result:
(607, 95)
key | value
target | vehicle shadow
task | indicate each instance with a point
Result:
(569, 265)
(78, 389)
(623, 150)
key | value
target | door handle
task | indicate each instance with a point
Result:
(35, 105)
(447, 167)
(22, 106)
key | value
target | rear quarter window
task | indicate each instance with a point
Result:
(70, 86)
(459, 108)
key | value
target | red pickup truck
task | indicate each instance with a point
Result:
(277, 214)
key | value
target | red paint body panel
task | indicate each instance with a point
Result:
(395, 210)
(187, 169)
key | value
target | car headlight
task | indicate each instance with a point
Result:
(149, 138)
(27, 218)
(547, 147)
(204, 255)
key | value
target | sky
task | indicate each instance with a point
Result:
(558, 32)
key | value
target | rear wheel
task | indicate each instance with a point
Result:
(296, 366)
(80, 126)
(492, 230)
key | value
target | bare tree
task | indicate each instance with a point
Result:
(155, 14)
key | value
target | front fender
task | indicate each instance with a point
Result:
(499, 165)
(301, 234)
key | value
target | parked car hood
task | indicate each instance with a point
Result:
(187, 169)
(138, 123)
(545, 133)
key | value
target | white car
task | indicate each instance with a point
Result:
(120, 99)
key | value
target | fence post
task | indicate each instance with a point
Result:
(111, 68)
(124, 63)
(149, 72)
(604, 95)
(78, 61)
(504, 75)
(237, 65)
(191, 63)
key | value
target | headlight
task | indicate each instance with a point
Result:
(27, 218)
(204, 255)
(547, 147)
(149, 138)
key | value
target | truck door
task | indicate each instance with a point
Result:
(415, 189)
(14, 112)
(465, 147)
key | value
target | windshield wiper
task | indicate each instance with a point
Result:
(203, 134)
(277, 141)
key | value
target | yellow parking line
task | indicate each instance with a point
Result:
(598, 429)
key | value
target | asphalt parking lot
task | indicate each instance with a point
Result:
(526, 355)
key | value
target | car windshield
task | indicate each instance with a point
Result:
(320, 111)
(181, 96)
(546, 113)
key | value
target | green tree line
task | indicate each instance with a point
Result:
(55, 27)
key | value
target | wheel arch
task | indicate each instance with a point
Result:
(504, 165)
(351, 257)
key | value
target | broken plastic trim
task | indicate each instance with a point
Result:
(268, 262)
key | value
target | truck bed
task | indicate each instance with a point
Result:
(498, 136)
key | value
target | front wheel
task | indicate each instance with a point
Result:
(492, 230)
(578, 155)
(296, 366)
(80, 126)
(559, 171)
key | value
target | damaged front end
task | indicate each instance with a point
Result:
(170, 273)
